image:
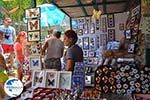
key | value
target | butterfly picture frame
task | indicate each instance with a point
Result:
(33, 25)
(85, 43)
(104, 24)
(34, 36)
(64, 79)
(38, 77)
(35, 62)
(51, 80)
(111, 21)
(33, 13)
(35, 48)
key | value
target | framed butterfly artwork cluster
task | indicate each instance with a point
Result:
(33, 24)
(51, 79)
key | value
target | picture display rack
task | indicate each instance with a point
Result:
(33, 16)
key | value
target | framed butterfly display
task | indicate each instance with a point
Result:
(34, 25)
(64, 79)
(38, 78)
(34, 36)
(111, 22)
(33, 13)
(35, 48)
(51, 79)
(35, 62)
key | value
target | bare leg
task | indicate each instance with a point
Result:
(20, 73)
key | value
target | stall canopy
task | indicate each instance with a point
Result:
(51, 15)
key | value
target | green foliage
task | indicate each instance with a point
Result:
(18, 15)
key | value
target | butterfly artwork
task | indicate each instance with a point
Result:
(51, 79)
(65, 79)
(34, 36)
(33, 13)
(33, 25)
(35, 62)
(51, 82)
(38, 78)
(35, 49)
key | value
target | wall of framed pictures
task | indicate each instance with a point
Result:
(94, 34)
(93, 37)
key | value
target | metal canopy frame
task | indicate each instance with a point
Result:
(95, 4)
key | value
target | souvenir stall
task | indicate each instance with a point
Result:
(116, 63)
(113, 48)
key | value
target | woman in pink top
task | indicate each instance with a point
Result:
(19, 52)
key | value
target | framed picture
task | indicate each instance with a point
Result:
(81, 20)
(104, 24)
(97, 24)
(127, 34)
(86, 28)
(85, 60)
(92, 44)
(85, 53)
(33, 25)
(111, 34)
(85, 43)
(34, 48)
(51, 80)
(131, 48)
(90, 61)
(38, 78)
(35, 62)
(80, 42)
(64, 79)
(80, 32)
(92, 53)
(33, 13)
(95, 61)
(88, 80)
(110, 19)
(121, 26)
(92, 31)
(34, 36)
(135, 30)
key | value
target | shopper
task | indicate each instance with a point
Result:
(10, 35)
(1, 39)
(74, 53)
(53, 51)
(3, 75)
(19, 48)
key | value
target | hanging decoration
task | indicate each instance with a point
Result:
(96, 14)
(4, 10)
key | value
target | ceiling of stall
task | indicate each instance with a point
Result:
(83, 8)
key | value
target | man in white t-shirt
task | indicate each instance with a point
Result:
(53, 51)
(10, 35)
